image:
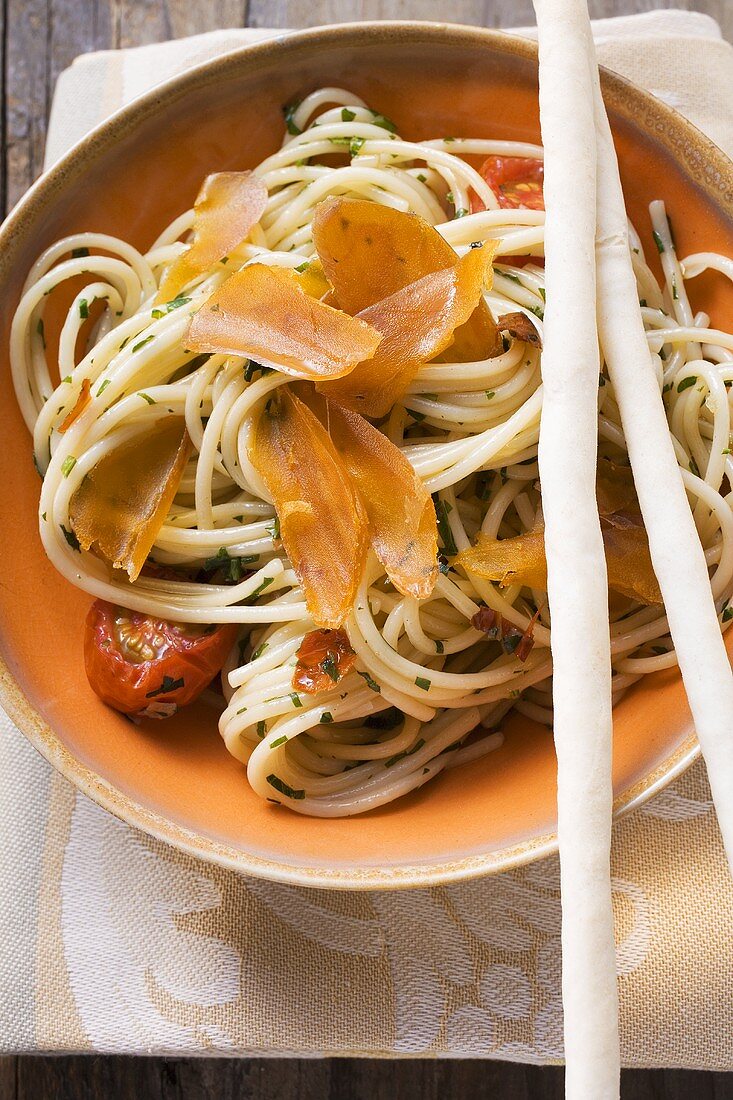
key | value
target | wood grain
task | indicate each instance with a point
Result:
(38, 38)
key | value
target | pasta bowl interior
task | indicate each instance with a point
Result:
(131, 178)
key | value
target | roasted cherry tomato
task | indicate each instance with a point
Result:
(516, 182)
(323, 658)
(141, 665)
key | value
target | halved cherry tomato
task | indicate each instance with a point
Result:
(141, 665)
(516, 182)
(323, 658)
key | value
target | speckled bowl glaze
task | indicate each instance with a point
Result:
(131, 176)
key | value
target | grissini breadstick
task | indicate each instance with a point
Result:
(576, 568)
(677, 555)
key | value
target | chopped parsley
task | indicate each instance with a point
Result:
(103, 387)
(146, 397)
(83, 309)
(261, 588)
(168, 685)
(385, 123)
(71, 539)
(261, 728)
(347, 115)
(658, 241)
(288, 113)
(168, 307)
(295, 699)
(370, 683)
(384, 719)
(279, 784)
(686, 383)
(442, 510)
(355, 145)
(77, 253)
(273, 528)
(68, 465)
(326, 718)
(727, 613)
(259, 651)
(407, 752)
(329, 666)
(142, 343)
(490, 394)
(439, 647)
(278, 741)
(423, 683)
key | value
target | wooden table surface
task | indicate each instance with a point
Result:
(38, 39)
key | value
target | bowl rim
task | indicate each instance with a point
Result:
(30, 722)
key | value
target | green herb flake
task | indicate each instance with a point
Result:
(43, 517)
(261, 728)
(278, 741)
(259, 651)
(460, 212)
(442, 509)
(288, 113)
(77, 253)
(279, 785)
(328, 665)
(83, 309)
(347, 115)
(658, 241)
(141, 343)
(423, 683)
(103, 387)
(642, 303)
(71, 539)
(355, 145)
(273, 528)
(490, 394)
(146, 397)
(385, 123)
(423, 178)
(168, 685)
(295, 699)
(406, 752)
(370, 683)
(175, 303)
(727, 613)
(686, 383)
(68, 465)
(261, 588)
(326, 718)
(542, 294)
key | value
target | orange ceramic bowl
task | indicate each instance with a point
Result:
(130, 178)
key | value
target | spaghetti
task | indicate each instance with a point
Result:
(426, 674)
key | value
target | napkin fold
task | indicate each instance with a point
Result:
(110, 941)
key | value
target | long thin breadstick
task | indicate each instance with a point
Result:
(677, 555)
(576, 568)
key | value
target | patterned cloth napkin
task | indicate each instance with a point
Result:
(111, 941)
